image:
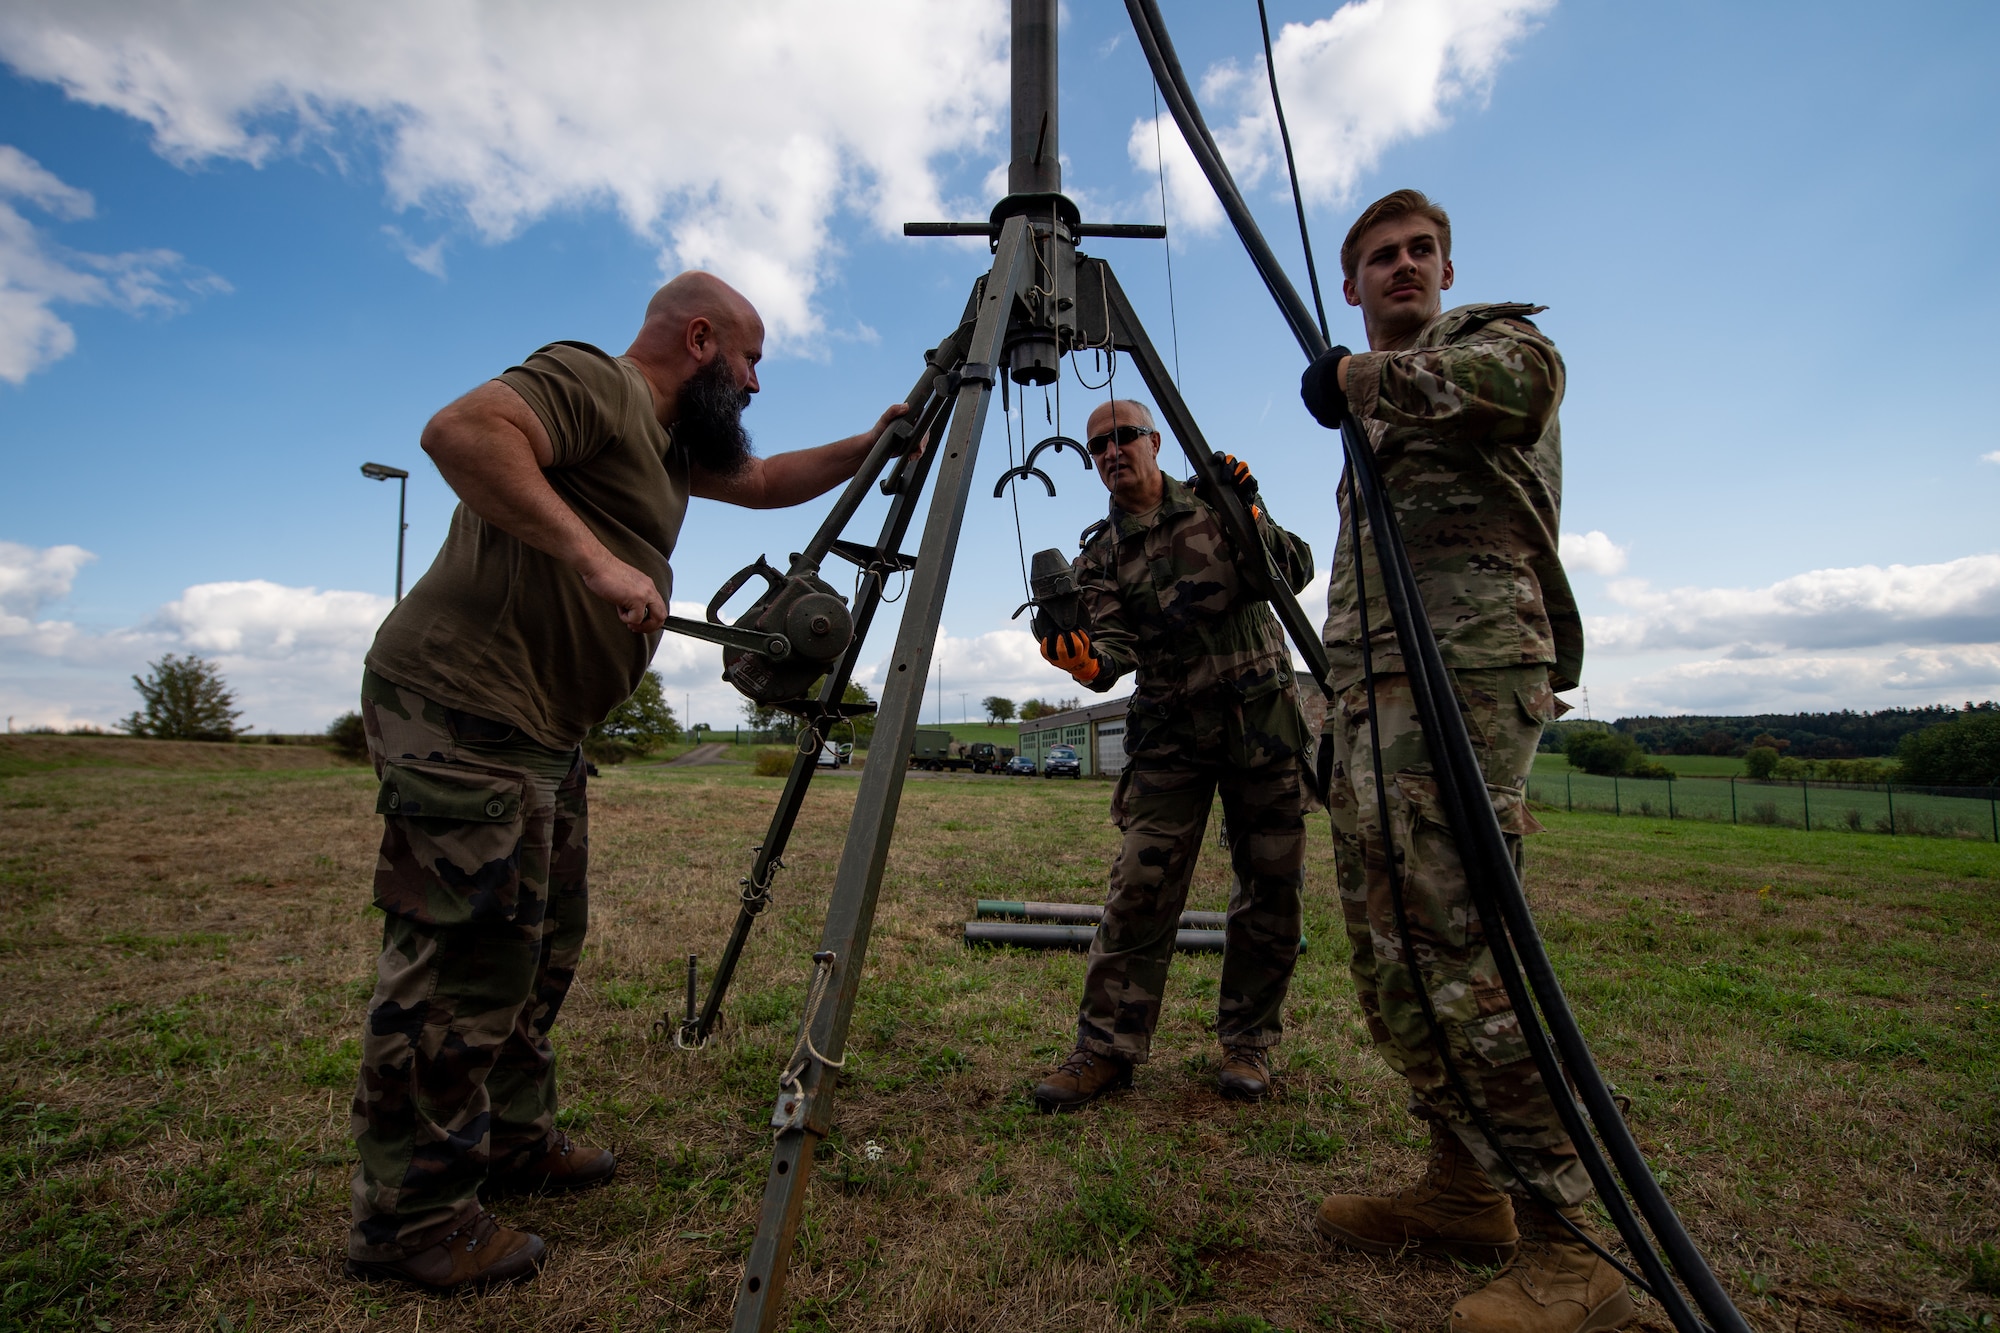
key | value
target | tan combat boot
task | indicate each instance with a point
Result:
(1245, 1074)
(1082, 1079)
(1554, 1285)
(559, 1165)
(477, 1253)
(1453, 1210)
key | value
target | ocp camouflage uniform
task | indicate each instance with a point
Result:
(1215, 707)
(482, 883)
(1465, 432)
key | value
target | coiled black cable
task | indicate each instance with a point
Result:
(1496, 889)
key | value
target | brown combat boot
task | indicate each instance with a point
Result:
(477, 1253)
(1554, 1285)
(1082, 1079)
(1245, 1074)
(1453, 1210)
(561, 1164)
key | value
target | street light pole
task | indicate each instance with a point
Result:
(383, 472)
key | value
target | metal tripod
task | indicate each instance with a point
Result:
(1039, 301)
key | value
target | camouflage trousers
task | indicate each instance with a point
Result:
(1162, 809)
(1505, 709)
(482, 882)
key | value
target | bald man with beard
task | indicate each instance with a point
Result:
(539, 616)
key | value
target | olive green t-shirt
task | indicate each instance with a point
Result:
(501, 630)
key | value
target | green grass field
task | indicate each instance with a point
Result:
(1687, 765)
(1808, 1027)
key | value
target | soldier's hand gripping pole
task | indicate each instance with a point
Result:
(805, 1104)
(1503, 910)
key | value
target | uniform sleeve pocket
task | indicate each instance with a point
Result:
(451, 842)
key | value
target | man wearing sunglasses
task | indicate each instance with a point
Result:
(1215, 706)
(1460, 408)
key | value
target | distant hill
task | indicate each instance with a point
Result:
(1843, 735)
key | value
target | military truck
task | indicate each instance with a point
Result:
(934, 750)
(937, 752)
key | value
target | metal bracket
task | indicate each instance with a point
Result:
(864, 557)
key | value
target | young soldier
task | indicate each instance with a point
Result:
(1460, 408)
(538, 617)
(1215, 706)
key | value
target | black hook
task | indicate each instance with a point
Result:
(1000, 486)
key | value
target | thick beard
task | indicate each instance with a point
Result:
(710, 424)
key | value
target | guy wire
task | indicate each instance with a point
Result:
(1291, 168)
(1160, 158)
(1014, 495)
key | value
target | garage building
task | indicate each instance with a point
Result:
(1096, 733)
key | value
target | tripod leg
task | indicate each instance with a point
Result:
(802, 1118)
(1130, 336)
(770, 852)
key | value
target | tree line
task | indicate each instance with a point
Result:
(1843, 735)
(1945, 747)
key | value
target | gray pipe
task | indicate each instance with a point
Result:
(1034, 167)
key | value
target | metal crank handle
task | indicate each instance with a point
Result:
(774, 646)
(760, 567)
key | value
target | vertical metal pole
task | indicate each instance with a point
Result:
(802, 1121)
(1617, 806)
(1805, 794)
(1889, 790)
(402, 507)
(1035, 166)
(1670, 799)
(1732, 798)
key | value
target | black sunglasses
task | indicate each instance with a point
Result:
(1124, 435)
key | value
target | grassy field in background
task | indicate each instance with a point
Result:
(1807, 1025)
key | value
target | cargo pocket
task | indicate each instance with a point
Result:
(1435, 891)
(451, 842)
(1495, 1039)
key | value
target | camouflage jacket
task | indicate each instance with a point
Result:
(1465, 433)
(1166, 604)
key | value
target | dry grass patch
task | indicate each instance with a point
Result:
(188, 952)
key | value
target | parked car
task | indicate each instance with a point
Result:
(829, 755)
(1061, 762)
(1020, 766)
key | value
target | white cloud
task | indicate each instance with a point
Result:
(1956, 602)
(1808, 683)
(293, 655)
(31, 577)
(1370, 75)
(36, 274)
(1593, 551)
(727, 134)
(1993, 457)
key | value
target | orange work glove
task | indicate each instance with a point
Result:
(1071, 652)
(1237, 473)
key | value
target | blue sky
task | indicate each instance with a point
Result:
(247, 247)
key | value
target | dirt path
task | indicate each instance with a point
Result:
(711, 753)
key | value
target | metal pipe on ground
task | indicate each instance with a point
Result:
(1079, 913)
(1025, 935)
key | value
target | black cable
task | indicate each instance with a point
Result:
(1160, 157)
(1291, 169)
(1475, 826)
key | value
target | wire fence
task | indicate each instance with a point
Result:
(1890, 808)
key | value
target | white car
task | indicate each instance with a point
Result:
(829, 755)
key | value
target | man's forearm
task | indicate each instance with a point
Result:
(804, 474)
